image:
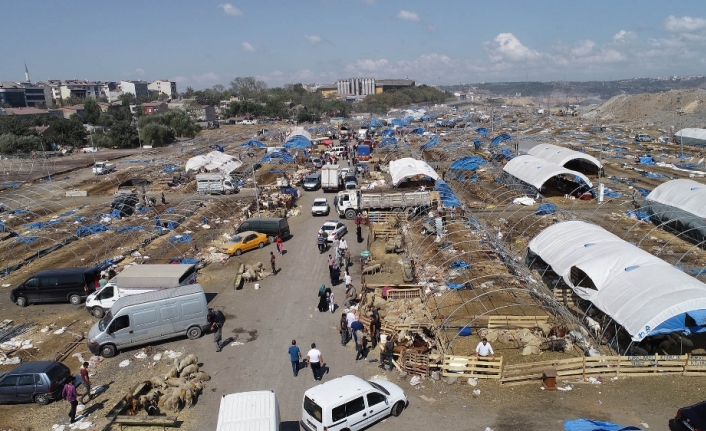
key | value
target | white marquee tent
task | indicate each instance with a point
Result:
(215, 160)
(681, 204)
(560, 155)
(639, 291)
(408, 167)
(535, 171)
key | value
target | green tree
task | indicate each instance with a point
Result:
(91, 111)
(176, 120)
(157, 134)
(247, 88)
(106, 119)
(11, 144)
(102, 140)
(189, 93)
(124, 135)
(71, 100)
(14, 126)
(65, 132)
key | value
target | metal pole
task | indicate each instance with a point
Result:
(257, 199)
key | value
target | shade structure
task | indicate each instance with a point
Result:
(691, 136)
(215, 160)
(560, 155)
(535, 171)
(681, 204)
(405, 168)
(641, 292)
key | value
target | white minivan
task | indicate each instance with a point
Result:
(350, 403)
(246, 411)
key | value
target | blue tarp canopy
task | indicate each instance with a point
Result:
(589, 425)
(483, 131)
(388, 141)
(254, 143)
(544, 209)
(468, 163)
(418, 131)
(408, 119)
(298, 141)
(646, 160)
(375, 122)
(284, 157)
(397, 122)
(433, 142)
(388, 132)
(500, 138)
(448, 197)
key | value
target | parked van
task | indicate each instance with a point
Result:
(351, 403)
(336, 151)
(245, 411)
(312, 182)
(270, 226)
(57, 285)
(150, 317)
(138, 279)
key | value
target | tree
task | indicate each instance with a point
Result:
(14, 126)
(106, 119)
(91, 111)
(189, 93)
(10, 144)
(65, 132)
(247, 88)
(157, 134)
(71, 100)
(124, 135)
(176, 120)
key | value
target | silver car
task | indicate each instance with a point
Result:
(320, 207)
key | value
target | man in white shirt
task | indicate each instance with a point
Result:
(348, 279)
(350, 318)
(484, 349)
(315, 360)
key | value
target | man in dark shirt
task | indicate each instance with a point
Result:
(295, 355)
(217, 320)
(343, 328)
(387, 353)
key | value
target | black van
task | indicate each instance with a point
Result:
(270, 226)
(57, 285)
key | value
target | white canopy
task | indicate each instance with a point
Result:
(687, 195)
(535, 171)
(638, 290)
(298, 131)
(560, 155)
(691, 136)
(408, 167)
(215, 160)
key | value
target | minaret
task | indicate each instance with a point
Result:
(27, 74)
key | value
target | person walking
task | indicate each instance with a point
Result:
(272, 262)
(343, 329)
(217, 320)
(483, 349)
(331, 301)
(359, 343)
(69, 394)
(374, 327)
(320, 242)
(335, 273)
(315, 361)
(387, 353)
(330, 261)
(85, 381)
(295, 355)
(278, 243)
(323, 301)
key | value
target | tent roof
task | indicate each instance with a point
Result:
(407, 167)
(687, 195)
(638, 290)
(215, 160)
(299, 131)
(535, 171)
(560, 155)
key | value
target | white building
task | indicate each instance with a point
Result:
(163, 86)
(137, 88)
(356, 86)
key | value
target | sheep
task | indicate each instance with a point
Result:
(172, 403)
(189, 398)
(204, 377)
(157, 382)
(173, 372)
(594, 326)
(190, 359)
(189, 370)
(176, 382)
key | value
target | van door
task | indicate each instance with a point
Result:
(120, 331)
(377, 406)
(145, 325)
(50, 290)
(356, 416)
(32, 290)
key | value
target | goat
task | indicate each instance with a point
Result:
(594, 326)
(558, 345)
(558, 331)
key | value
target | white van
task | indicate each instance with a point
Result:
(245, 411)
(137, 320)
(138, 279)
(336, 151)
(350, 403)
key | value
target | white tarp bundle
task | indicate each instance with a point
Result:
(560, 155)
(215, 160)
(408, 167)
(687, 195)
(535, 171)
(691, 136)
(636, 289)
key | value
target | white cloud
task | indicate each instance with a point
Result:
(231, 10)
(623, 36)
(205, 80)
(408, 16)
(685, 24)
(133, 73)
(583, 48)
(507, 47)
(248, 47)
(313, 39)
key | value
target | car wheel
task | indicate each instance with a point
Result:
(75, 299)
(97, 312)
(108, 351)
(41, 399)
(193, 333)
(262, 244)
(397, 409)
(238, 252)
(21, 301)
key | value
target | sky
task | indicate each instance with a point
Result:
(435, 42)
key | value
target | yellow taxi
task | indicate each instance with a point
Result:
(244, 241)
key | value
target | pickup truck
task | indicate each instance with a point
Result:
(102, 168)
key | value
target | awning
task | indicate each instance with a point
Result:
(535, 171)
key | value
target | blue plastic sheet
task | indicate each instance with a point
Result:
(653, 175)
(281, 155)
(391, 141)
(468, 163)
(611, 194)
(465, 331)
(646, 160)
(90, 229)
(589, 425)
(500, 138)
(11, 186)
(448, 197)
(460, 264)
(388, 132)
(433, 142)
(483, 131)
(41, 224)
(67, 213)
(254, 143)
(417, 131)
(180, 238)
(26, 239)
(454, 286)
(129, 229)
(170, 168)
(544, 209)
(697, 271)
(298, 141)
(639, 214)
(20, 212)
(507, 152)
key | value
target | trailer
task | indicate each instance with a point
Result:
(329, 178)
(353, 202)
(215, 183)
(102, 168)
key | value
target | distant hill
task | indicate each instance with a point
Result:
(588, 89)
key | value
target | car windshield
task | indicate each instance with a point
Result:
(328, 228)
(379, 388)
(313, 409)
(237, 238)
(319, 204)
(105, 321)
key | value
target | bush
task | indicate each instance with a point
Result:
(157, 134)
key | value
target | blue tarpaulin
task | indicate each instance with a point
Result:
(611, 194)
(91, 229)
(254, 143)
(468, 163)
(500, 138)
(460, 264)
(697, 271)
(639, 214)
(544, 209)
(41, 224)
(388, 132)
(589, 425)
(653, 175)
(483, 131)
(388, 141)
(646, 160)
(454, 286)
(465, 331)
(507, 153)
(397, 122)
(26, 239)
(281, 155)
(170, 168)
(448, 198)
(417, 131)
(476, 144)
(180, 238)
(298, 141)
(433, 142)
(129, 229)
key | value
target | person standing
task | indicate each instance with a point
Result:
(331, 302)
(374, 327)
(330, 267)
(359, 343)
(343, 246)
(320, 242)
(70, 395)
(387, 353)
(295, 355)
(323, 300)
(335, 272)
(348, 279)
(85, 380)
(278, 242)
(315, 360)
(217, 320)
(484, 349)
(343, 329)
(272, 262)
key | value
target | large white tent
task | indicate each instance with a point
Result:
(691, 136)
(639, 291)
(560, 155)
(535, 171)
(408, 167)
(681, 204)
(215, 160)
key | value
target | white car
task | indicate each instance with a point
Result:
(333, 229)
(320, 207)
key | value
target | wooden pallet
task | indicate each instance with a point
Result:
(695, 366)
(415, 363)
(566, 296)
(380, 232)
(393, 294)
(469, 366)
(508, 322)
(153, 421)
